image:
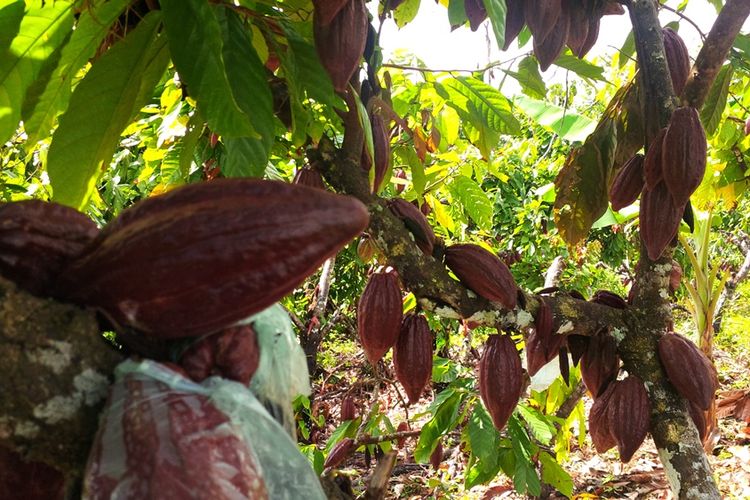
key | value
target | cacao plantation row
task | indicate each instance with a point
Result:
(233, 332)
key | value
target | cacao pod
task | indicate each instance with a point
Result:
(309, 176)
(577, 345)
(415, 222)
(536, 353)
(652, 166)
(599, 425)
(436, 456)
(232, 353)
(366, 249)
(341, 43)
(659, 219)
(339, 453)
(564, 364)
(698, 417)
(675, 276)
(541, 16)
(24, 480)
(548, 48)
(412, 355)
(382, 149)
(592, 34)
(38, 240)
(747, 127)
(399, 174)
(500, 378)
(204, 256)
(610, 299)
(683, 154)
(688, 369)
(402, 427)
(628, 183)
(475, 13)
(544, 329)
(348, 410)
(379, 315)
(326, 10)
(678, 59)
(483, 272)
(579, 25)
(514, 20)
(629, 413)
(599, 364)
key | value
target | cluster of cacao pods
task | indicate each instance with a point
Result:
(340, 32)
(553, 23)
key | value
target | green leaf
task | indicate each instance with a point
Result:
(716, 100)
(44, 26)
(496, 11)
(120, 82)
(442, 420)
(490, 105)
(93, 25)
(195, 44)
(193, 132)
(11, 13)
(309, 73)
(581, 67)
(565, 123)
(246, 156)
(406, 12)
(474, 200)
(543, 430)
(457, 12)
(529, 78)
(627, 50)
(555, 476)
(484, 439)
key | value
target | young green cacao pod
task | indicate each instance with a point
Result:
(232, 353)
(415, 222)
(204, 256)
(683, 155)
(412, 355)
(599, 364)
(659, 219)
(339, 453)
(678, 59)
(541, 16)
(341, 42)
(610, 299)
(475, 13)
(515, 18)
(483, 272)
(348, 411)
(629, 413)
(379, 315)
(688, 369)
(309, 176)
(628, 183)
(548, 48)
(38, 240)
(500, 378)
(652, 166)
(599, 425)
(382, 149)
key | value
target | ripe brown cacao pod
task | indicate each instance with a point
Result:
(536, 353)
(629, 412)
(412, 355)
(326, 10)
(309, 176)
(204, 256)
(500, 378)
(436, 456)
(515, 19)
(402, 427)
(379, 315)
(38, 240)
(599, 426)
(415, 222)
(688, 369)
(548, 48)
(24, 480)
(592, 35)
(483, 272)
(599, 364)
(659, 219)
(348, 411)
(366, 249)
(577, 345)
(652, 170)
(628, 183)
(543, 327)
(698, 417)
(475, 13)
(541, 16)
(610, 299)
(382, 149)
(683, 154)
(678, 59)
(578, 25)
(232, 353)
(339, 453)
(341, 42)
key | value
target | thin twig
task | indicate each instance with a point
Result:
(683, 16)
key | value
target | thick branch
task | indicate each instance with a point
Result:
(714, 51)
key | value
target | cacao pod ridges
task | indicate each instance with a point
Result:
(683, 155)
(501, 378)
(412, 355)
(688, 369)
(379, 315)
(629, 414)
(483, 272)
(341, 42)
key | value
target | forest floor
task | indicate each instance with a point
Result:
(594, 475)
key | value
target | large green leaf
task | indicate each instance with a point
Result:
(309, 73)
(102, 105)
(528, 76)
(444, 419)
(483, 437)
(195, 43)
(565, 123)
(43, 28)
(554, 475)
(474, 200)
(716, 100)
(496, 11)
(246, 156)
(489, 105)
(581, 67)
(93, 25)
